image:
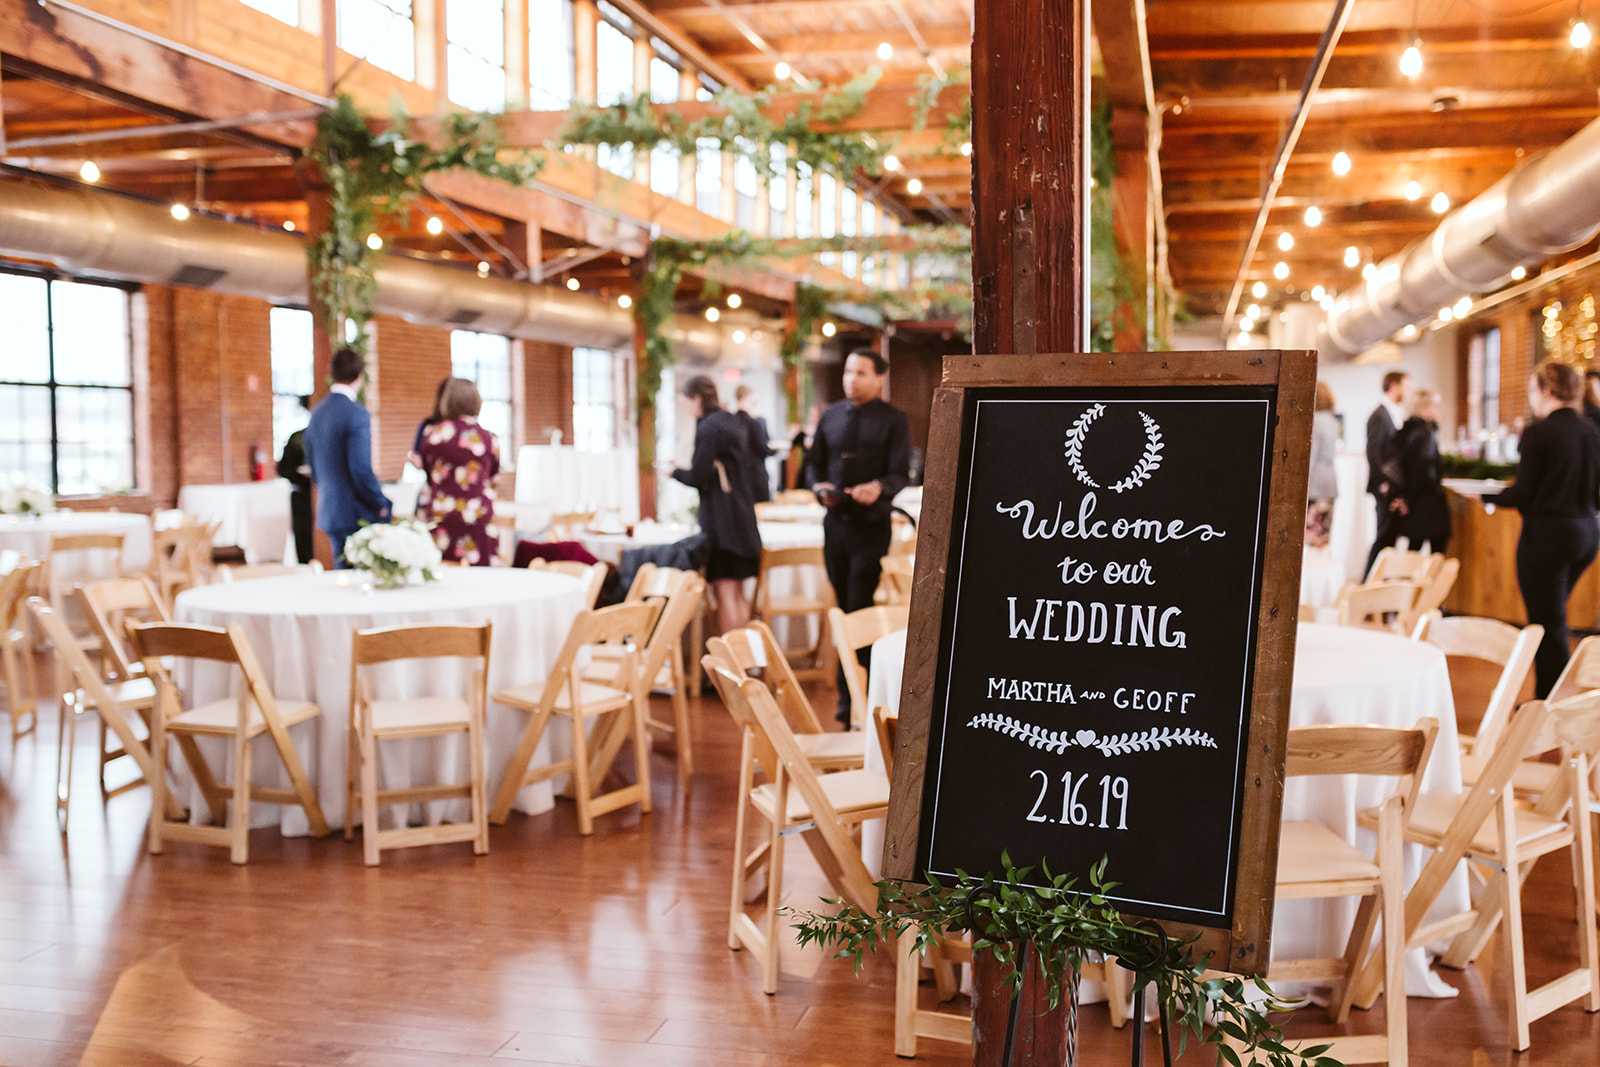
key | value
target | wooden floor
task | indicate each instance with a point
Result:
(608, 951)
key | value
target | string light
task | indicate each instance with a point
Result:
(1318, 292)
(886, 51)
(738, 337)
(1313, 216)
(1413, 190)
(712, 314)
(1463, 307)
(1352, 256)
(1445, 314)
(966, 148)
(1580, 35)
(180, 212)
(435, 225)
(572, 283)
(891, 163)
(89, 172)
(624, 301)
(1285, 241)
(781, 71)
(1253, 311)
(914, 186)
(1518, 273)
(734, 300)
(1246, 324)
(483, 268)
(1409, 332)
(1411, 59)
(1258, 290)
(1341, 164)
(288, 224)
(1440, 203)
(1281, 271)
(374, 242)
(1369, 272)
(829, 329)
(1244, 340)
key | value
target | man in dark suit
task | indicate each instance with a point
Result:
(1382, 425)
(292, 467)
(339, 449)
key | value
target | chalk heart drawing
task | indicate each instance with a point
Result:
(1085, 738)
(1149, 461)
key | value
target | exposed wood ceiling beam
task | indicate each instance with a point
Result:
(685, 45)
(1389, 43)
(844, 45)
(1552, 69)
(700, 9)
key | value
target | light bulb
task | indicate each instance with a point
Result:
(1341, 164)
(572, 283)
(1258, 290)
(1352, 256)
(1244, 340)
(1413, 190)
(891, 163)
(1253, 311)
(1246, 324)
(914, 186)
(1285, 241)
(1281, 271)
(374, 242)
(1440, 203)
(1369, 272)
(1518, 273)
(288, 224)
(180, 212)
(738, 337)
(966, 148)
(781, 71)
(886, 51)
(1327, 303)
(624, 301)
(483, 267)
(712, 314)
(829, 329)
(1463, 307)
(1318, 292)
(435, 225)
(1580, 35)
(89, 172)
(1409, 331)
(1313, 216)
(1445, 314)
(1411, 59)
(734, 300)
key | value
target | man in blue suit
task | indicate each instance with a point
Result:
(339, 450)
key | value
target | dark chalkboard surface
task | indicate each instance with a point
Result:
(1094, 686)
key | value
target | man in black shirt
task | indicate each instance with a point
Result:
(860, 458)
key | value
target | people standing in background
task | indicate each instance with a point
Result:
(1423, 512)
(1557, 490)
(293, 469)
(799, 448)
(414, 457)
(461, 460)
(339, 449)
(1382, 425)
(1322, 485)
(860, 458)
(1591, 397)
(720, 470)
(760, 438)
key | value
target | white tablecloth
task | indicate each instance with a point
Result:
(813, 513)
(255, 515)
(1355, 516)
(31, 537)
(1321, 578)
(300, 627)
(1341, 675)
(564, 479)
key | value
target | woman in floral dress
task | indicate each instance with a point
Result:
(460, 459)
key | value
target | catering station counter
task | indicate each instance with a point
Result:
(1486, 545)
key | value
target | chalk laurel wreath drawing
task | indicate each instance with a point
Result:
(1109, 744)
(1148, 463)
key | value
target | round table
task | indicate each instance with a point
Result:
(255, 515)
(31, 535)
(1321, 578)
(609, 547)
(1341, 675)
(300, 628)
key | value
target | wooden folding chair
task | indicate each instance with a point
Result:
(886, 726)
(754, 651)
(238, 720)
(856, 631)
(1489, 641)
(568, 525)
(247, 572)
(60, 585)
(175, 563)
(1316, 863)
(1401, 563)
(1486, 825)
(659, 662)
(894, 586)
(795, 799)
(16, 656)
(503, 524)
(372, 721)
(902, 535)
(768, 606)
(564, 692)
(1378, 606)
(1435, 586)
(110, 604)
(592, 575)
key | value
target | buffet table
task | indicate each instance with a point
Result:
(300, 628)
(1484, 539)
(564, 479)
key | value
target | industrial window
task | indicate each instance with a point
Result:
(382, 33)
(475, 54)
(292, 376)
(613, 85)
(66, 396)
(485, 360)
(594, 414)
(802, 200)
(778, 189)
(708, 175)
(551, 58)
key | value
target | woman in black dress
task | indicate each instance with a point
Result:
(1424, 511)
(1557, 489)
(720, 470)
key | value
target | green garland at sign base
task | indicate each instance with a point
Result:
(1063, 922)
(371, 174)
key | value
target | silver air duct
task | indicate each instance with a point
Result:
(104, 235)
(1546, 206)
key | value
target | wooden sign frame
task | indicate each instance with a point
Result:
(1243, 946)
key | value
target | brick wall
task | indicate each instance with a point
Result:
(548, 398)
(411, 361)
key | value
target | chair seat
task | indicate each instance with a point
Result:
(852, 793)
(1310, 852)
(829, 750)
(221, 717)
(134, 693)
(419, 716)
(1529, 777)
(1435, 810)
(793, 605)
(597, 698)
(603, 671)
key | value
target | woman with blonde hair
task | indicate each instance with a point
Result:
(461, 460)
(1323, 484)
(1557, 489)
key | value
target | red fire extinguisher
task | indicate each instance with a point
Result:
(258, 462)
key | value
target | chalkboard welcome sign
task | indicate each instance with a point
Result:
(1101, 643)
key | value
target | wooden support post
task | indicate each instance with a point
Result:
(642, 54)
(328, 22)
(316, 193)
(688, 83)
(646, 413)
(516, 54)
(524, 240)
(1030, 184)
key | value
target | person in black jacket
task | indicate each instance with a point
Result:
(1557, 489)
(720, 470)
(760, 438)
(860, 458)
(292, 468)
(1382, 425)
(1422, 511)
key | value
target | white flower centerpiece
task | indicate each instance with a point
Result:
(395, 554)
(22, 500)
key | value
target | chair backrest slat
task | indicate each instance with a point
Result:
(15, 588)
(755, 648)
(1384, 751)
(726, 679)
(383, 644)
(1366, 605)
(72, 655)
(156, 640)
(113, 603)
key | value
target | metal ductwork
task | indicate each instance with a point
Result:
(1546, 206)
(104, 235)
